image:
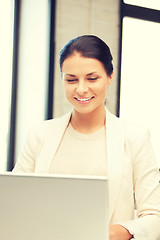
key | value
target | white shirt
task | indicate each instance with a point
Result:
(83, 154)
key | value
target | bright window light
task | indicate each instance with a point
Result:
(32, 68)
(140, 77)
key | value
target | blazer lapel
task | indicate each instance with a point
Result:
(51, 142)
(115, 152)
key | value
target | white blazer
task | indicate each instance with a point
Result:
(131, 167)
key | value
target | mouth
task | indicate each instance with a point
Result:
(84, 100)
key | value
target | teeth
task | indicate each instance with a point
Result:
(83, 99)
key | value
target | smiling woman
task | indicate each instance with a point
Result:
(86, 83)
(91, 141)
(87, 71)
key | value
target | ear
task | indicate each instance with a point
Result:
(110, 78)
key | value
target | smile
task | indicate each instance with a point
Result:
(83, 99)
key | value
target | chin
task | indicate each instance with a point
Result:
(85, 110)
(82, 111)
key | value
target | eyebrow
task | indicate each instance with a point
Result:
(90, 73)
(72, 75)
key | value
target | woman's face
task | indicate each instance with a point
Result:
(85, 83)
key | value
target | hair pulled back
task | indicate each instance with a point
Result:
(88, 46)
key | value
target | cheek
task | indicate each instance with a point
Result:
(65, 88)
(102, 90)
(68, 90)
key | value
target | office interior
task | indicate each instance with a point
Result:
(31, 88)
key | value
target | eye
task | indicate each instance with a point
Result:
(92, 78)
(71, 80)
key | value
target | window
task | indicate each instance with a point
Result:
(140, 77)
(32, 68)
(26, 82)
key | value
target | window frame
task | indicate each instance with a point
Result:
(12, 124)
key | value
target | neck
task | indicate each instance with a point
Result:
(88, 122)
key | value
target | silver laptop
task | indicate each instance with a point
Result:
(53, 207)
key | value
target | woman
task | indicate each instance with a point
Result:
(90, 140)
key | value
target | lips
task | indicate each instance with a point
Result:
(83, 99)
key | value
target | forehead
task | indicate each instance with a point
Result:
(76, 64)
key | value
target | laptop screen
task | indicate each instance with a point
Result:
(53, 207)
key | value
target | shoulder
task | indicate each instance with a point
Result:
(133, 133)
(136, 134)
(137, 142)
(51, 126)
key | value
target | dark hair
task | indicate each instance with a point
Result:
(89, 46)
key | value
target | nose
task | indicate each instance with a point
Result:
(82, 87)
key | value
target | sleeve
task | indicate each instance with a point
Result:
(27, 158)
(147, 189)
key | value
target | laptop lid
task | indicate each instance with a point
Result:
(44, 207)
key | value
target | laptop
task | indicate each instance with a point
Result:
(53, 207)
